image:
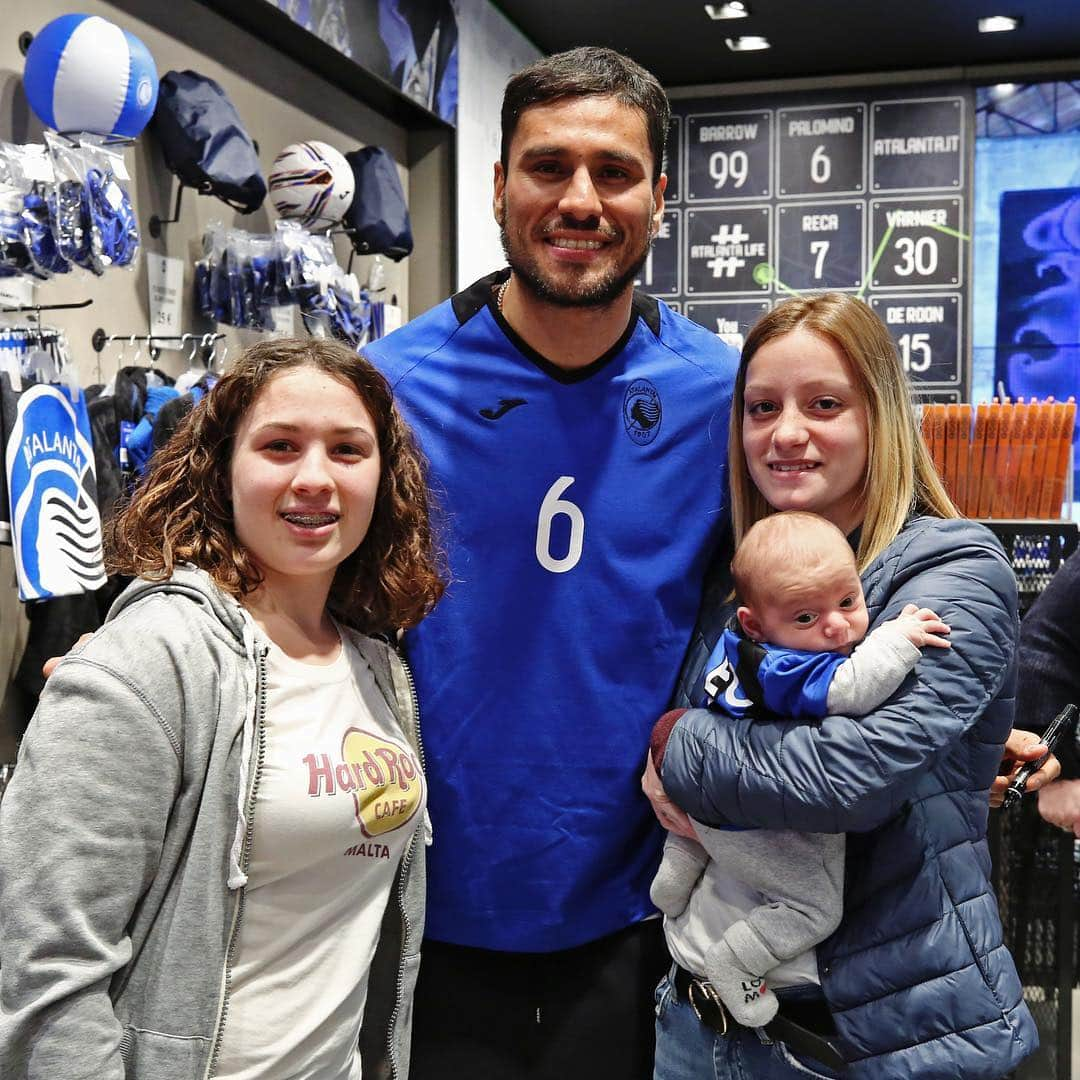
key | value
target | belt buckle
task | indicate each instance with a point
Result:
(711, 1001)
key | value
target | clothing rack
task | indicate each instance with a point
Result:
(37, 309)
(36, 332)
(99, 339)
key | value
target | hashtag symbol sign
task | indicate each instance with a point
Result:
(725, 266)
(725, 234)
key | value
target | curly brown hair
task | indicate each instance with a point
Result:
(181, 512)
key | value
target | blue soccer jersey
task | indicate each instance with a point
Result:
(579, 510)
(744, 678)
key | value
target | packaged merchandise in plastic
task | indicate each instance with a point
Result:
(92, 215)
(114, 230)
(14, 258)
(68, 209)
(242, 277)
(29, 174)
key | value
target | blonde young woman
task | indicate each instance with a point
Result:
(916, 981)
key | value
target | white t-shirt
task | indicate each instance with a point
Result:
(339, 795)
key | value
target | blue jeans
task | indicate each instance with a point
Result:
(687, 1050)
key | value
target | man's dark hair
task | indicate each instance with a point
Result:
(588, 71)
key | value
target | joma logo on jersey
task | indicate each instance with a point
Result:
(642, 412)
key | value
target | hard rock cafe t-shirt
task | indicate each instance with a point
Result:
(338, 798)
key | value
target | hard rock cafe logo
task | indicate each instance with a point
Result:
(382, 776)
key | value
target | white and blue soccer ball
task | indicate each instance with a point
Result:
(84, 73)
(312, 183)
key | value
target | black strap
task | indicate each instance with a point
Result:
(804, 1027)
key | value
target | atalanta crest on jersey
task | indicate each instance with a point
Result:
(642, 412)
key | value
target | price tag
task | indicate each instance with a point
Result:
(283, 321)
(165, 280)
(119, 166)
(36, 163)
(114, 196)
(16, 292)
(392, 318)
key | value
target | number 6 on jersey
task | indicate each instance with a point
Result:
(551, 508)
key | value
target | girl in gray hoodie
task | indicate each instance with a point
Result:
(211, 851)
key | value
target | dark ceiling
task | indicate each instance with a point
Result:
(684, 47)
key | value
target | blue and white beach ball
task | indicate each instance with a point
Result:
(83, 73)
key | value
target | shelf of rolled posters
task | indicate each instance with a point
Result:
(1002, 459)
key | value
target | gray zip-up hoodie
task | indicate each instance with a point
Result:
(124, 836)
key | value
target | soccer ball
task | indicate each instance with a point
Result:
(311, 183)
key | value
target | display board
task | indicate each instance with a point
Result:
(864, 192)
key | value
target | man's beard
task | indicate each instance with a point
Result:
(598, 292)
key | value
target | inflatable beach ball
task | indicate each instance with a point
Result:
(83, 73)
(312, 183)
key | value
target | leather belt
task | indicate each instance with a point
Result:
(704, 1000)
(820, 1045)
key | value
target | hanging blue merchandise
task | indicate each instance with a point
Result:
(243, 276)
(84, 73)
(377, 221)
(55, 524)
(205, 143)
(93, 218)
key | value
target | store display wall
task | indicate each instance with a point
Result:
(280, 102)
(864, 190)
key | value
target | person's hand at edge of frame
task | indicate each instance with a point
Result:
(50, 665)
(1059, 805)
(1021, 747)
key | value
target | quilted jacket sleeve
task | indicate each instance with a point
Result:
(843, 774)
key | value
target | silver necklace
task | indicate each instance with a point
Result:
(500, 294)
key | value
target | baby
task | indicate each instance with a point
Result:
(803, 651)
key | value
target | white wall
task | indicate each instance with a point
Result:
(491, 49)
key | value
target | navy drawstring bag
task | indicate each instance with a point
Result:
(377, 221)
(205, 143)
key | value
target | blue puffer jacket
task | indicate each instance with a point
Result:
(916, 976)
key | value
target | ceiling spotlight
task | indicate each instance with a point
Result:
(747, 43)
(1004, 90)
(996, 24)
(735, 9)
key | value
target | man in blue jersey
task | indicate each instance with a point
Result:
(577, 433)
